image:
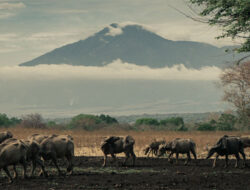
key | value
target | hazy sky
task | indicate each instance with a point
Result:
(29, 28)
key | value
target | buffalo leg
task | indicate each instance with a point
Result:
(237, 160)
(104, 160)
(170, 155)
(41, 164)
(15, 172)
(33, 167)
(55, 163)
(188, 158)
(8, 174)
(215, 160)
(23, 162)
(133, 157)
(127, 156)
(114, 159)
(177, 157)
(226, 160)
(194, 154)
(70, 163)
(244, 157)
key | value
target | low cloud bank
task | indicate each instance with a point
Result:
(115, 70)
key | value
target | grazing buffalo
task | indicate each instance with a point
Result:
(58, 146)
(33, 151)
(13, 153)
(5, 135)
(179, 146)
(37, 137)
(114, 145)
(228, 146)
(246, 141)
(153, 148)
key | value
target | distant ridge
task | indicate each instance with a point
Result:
(134, 44)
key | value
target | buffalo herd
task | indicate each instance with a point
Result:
(38, 148)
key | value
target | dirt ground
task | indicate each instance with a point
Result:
(149, 173)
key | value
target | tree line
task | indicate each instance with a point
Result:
(225, 122)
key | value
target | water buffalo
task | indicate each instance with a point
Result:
(33, 151)
(13, 153)
(228, 146)
(114, 145)
(37, 137)
(58, 146)
(153, 148)
(5, 135)
(246, 141)
(179, 146)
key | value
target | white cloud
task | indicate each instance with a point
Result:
(115, 70)
(8, 36)
(69, 11)
(114, 30)
(11, 6)
(4, 15)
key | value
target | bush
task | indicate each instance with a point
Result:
(107, 119)
(51, 124)
(147, 121)
(226, 122)
(87, 122)
(7, 122)
(182, 128)
(177, 121)
(206, 127)
(33, 121)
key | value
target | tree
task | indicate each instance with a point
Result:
(7, 122)
(33, 121)
(235, 81)
(232, 15)
(147, 121)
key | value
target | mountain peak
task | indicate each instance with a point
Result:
(135, 44)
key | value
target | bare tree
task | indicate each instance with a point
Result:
(33, 121)
(235, 81)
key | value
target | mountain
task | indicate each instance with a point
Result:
(134, 44)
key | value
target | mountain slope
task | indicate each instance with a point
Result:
(133, 44)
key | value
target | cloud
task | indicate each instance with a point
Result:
(114, 30)
(69, 11)
(115, 70)
(11, 6)
(8, 10)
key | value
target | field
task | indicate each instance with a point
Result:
(149, 173)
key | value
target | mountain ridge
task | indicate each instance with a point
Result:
(134, 44)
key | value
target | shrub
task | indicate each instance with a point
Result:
(147, 121)
(173, 120)
(107, 119)
(226, 122)
(33, 121)
(206, 127)
(7, 122)
(87, 122)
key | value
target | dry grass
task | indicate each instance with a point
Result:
(88, 143)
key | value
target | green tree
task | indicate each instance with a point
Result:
(87, 122)
(173, 120)
(232, 15)
(226, 122)
(206, 127)
(108, 119)
(147, 121)
(6, 122)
